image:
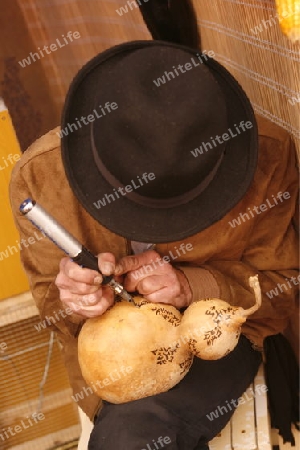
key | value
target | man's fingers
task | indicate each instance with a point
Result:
(81, 301)
(134, 262)
(79, 274)
(143, 284)
(80, 288)
(106, 263)
(94, 310)
(126, 264)
(162, 296)
(100, 307)
(88, 305)
(156, 283)
(62, 281)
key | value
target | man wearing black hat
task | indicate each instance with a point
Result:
(182, 165)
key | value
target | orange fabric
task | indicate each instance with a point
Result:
(10, 245)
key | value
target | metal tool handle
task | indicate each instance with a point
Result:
(65, 241)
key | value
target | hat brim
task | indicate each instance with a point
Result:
(134, 221)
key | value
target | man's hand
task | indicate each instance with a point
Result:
(80, 289)
(155, 279)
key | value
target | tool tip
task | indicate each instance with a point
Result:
(127, 297)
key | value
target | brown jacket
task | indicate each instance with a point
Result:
(220, 263)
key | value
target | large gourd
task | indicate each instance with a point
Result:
(137, 345)
(131, 352)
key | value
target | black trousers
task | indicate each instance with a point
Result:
(180, 419)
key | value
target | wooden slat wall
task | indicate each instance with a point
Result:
(99, 26)
(25, 90)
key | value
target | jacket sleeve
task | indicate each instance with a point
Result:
(40, 259)
(271, 251)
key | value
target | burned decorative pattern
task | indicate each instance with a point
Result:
(220, 315)
(140, 303)
(167, 315)
(211, 335)
(186, 364)
(192, 345)
(165, 355)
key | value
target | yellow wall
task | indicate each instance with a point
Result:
(13, 280)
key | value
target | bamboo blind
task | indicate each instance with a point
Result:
(33, 380)
(246, 38)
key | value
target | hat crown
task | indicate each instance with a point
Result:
(169, 129)
(180, 115)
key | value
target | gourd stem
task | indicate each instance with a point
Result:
(254, 284)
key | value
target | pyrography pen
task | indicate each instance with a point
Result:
(66, 242)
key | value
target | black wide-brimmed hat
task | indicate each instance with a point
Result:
(159, 141)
